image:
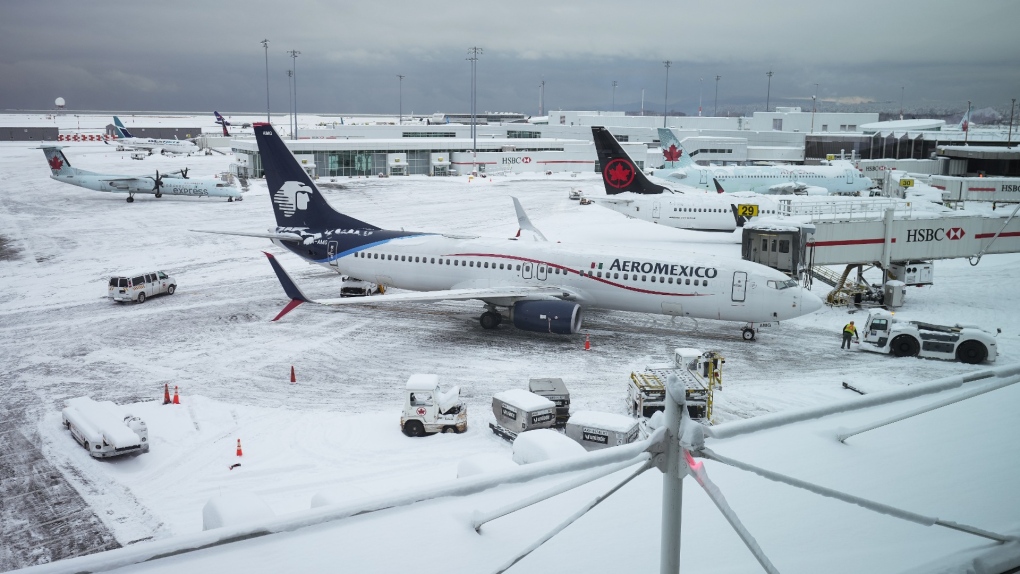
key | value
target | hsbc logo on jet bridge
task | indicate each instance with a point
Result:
(516, 160)
(919, 235)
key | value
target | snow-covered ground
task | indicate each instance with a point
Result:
(336, 429)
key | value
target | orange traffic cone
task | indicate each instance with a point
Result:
(293, 378)
(177, 399)
(239, 453)
(166, 393)
(587, 342)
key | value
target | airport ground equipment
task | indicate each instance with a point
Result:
(518, 410)
(883, 333)
(428, 410)
(700, 373)
(139, 286)
(554, 390)
(595, 430)
(103, 428)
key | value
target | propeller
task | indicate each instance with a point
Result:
(183, 172)
(157, 182)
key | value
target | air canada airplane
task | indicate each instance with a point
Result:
(541, 286)
(799, 180)
(683, 207)
(128, 141)
(61, 170)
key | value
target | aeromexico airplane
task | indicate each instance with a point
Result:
(684, 207)
(541, 286)
(61, 170)
(800, 179)
(126, 140)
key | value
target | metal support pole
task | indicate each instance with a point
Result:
(887, 246)
(400, 108)
(614, 96)
(768, 94)
(293, 55)
(674, 471)
(715, 110)
(665, 104)
(1009, 138)
(265, 44)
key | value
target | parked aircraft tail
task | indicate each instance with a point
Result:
(296, 200)
(673, 152)
(121, 130)
(223, 123)
(58, 162)
(619, 172)
(965, 122)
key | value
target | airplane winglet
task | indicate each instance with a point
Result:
(525, 223)
(718, 187)
(289, 287)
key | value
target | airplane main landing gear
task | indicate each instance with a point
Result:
(158, 195)
(230, 199)
(131, 198)
(490, 319)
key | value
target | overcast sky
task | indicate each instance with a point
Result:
(197, 56)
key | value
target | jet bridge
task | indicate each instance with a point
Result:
(898, 236)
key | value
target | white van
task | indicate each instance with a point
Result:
(138, 287)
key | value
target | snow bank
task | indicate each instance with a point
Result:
(544, 444)
(234, 508)
(483, 463)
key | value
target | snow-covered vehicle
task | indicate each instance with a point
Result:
(700, 373)
(594, 430)
(883, 333)
(138, 286)
(554, 390)
(352, 287)
(103, 428)
(575, 194)
(427, 410)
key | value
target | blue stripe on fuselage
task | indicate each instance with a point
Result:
(348, 243)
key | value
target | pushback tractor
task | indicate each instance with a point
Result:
(883, 333)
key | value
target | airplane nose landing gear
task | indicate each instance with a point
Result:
(747, 333)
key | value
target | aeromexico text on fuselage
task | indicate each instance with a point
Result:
(624, 265)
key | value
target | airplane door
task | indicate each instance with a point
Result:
(526, 270)
(739, 292)
(331, 253)
(655, 210)
(704, 176)
(850, 176)
(541, 272)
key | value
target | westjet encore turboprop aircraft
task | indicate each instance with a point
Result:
(690, 208)
(61, 170)
(544, 285)
(128, 141)
(801, 179)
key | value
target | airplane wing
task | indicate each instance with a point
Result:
(523, 292)
(125, 183)
(611, 201)
(267, 235)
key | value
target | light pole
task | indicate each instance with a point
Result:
(614, 96)
(1009, 138)
(901, 102)
(768, 94)
(665, 105)
(715, 112)
(541, 99)
(474, 51)
(265, 44)
(814, 98)
(400, 121)
(290, 100)
(701, 91)
(294, 54)
(966, 125)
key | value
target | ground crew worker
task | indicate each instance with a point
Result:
(849, 331)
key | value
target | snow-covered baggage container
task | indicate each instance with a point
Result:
(594, 430)
(518, 410)
(554, 390)
(103, 428)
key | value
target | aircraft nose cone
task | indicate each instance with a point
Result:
(809, 302)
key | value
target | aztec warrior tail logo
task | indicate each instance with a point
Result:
(292, 196)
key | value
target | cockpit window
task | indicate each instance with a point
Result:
(782, 284)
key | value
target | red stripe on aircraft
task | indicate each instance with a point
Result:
(567, 269)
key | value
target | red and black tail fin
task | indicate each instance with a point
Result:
(619, 172)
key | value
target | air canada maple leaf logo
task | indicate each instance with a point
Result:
(619, 173)
(672, 154)
(55, 163)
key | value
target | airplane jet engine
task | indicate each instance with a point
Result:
(560, 317)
